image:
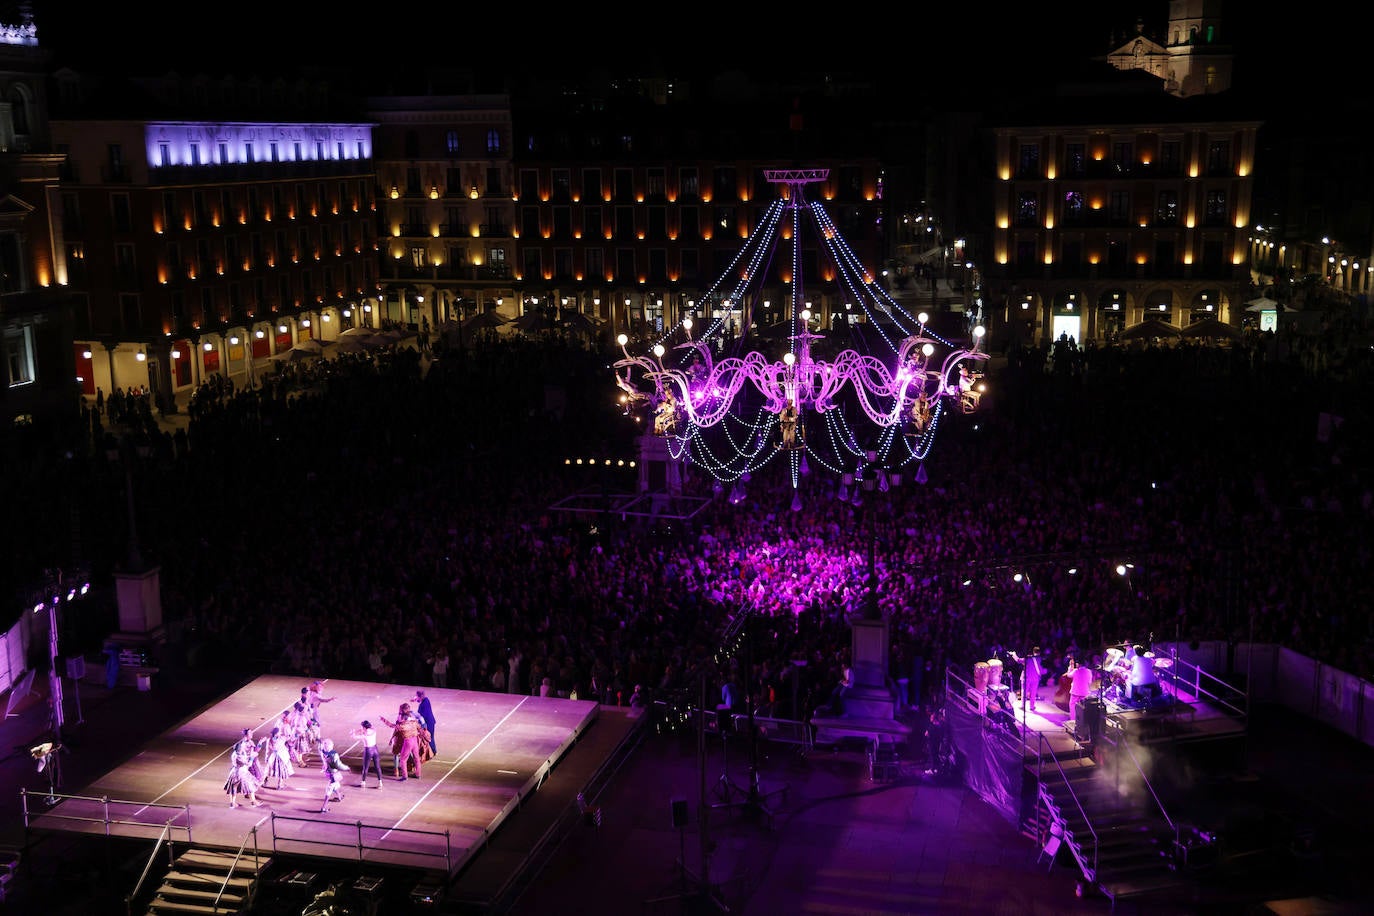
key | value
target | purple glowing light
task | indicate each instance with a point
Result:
(190, 143)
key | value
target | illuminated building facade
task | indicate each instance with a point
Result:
(631, 201)
(1099, 225)
(444, 205)
(35, 321)
(197, 247)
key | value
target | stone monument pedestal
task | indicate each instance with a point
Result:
(870, 710)
(140, 603)
(139, 595)
(658, 472)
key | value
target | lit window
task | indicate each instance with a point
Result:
(19, 356)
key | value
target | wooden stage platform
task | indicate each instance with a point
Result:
(495, 752)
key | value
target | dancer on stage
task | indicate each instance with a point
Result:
(372, 755)
(296, 724)
(242, 780)
(426, 712)
(332, 767)
(315, 697)
(278, 753)
(405, 741)
(311, 699)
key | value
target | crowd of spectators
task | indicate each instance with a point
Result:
(373, 515)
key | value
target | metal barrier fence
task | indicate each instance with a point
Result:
(362, 839)
(110, 812)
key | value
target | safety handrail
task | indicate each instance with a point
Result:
(1041, 752)
(1125, 743)
(360, 844)
(233, 866)
(1194, 679)
(164, 837)
(1073, 795)
(105, 802)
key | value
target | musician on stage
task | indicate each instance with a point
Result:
(1142, 673)
(1032, 676)
(1080, 685)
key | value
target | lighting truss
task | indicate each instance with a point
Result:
(733, 403)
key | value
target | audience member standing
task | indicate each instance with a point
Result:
(513, 664)
(439, 667)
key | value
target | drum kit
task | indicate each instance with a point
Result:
(1116, 671)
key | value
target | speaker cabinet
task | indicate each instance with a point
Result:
(1089, 716)
(679, 813)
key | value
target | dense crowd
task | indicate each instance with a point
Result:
(398, 518)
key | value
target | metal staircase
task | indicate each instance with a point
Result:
(1119, 835)
(208, 881)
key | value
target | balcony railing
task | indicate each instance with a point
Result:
(495, 230)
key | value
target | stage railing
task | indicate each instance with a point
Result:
(359, 833)
(252, 834)
(183, 812)
(1202, 683)
(163, 838)
(961, 691)
(1068, 784)
(966, 695)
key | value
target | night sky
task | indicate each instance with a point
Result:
(977, 42)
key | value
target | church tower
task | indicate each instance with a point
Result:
(1193, 59)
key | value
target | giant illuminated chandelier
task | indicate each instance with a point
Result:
(732, 404)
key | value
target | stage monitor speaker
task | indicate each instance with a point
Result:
(1089, 716)
(679, 812)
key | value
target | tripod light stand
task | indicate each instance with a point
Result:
(752, 800)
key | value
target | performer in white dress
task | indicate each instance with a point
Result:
(242, 780)
(278, 754)
(298, 731)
